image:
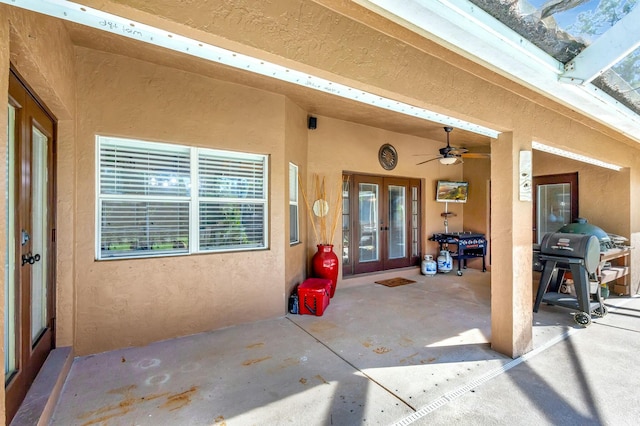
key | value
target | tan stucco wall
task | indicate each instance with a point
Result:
(511, 313)
(337, 146)
(476, 212)
(357, 48)
(295, 152)
(132, 302)
(41, 52)
(600, 191)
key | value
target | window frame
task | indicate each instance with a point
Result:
(194, 199)
(293, 171)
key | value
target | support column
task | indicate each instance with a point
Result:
(511, 250)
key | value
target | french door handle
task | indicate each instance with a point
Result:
(30, 259)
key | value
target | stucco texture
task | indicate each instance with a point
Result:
(337, 146)
(296, 153)
(42, 53)
(131, 302)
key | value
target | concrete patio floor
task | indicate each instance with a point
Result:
(415, 354)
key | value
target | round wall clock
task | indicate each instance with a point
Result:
(388, 157)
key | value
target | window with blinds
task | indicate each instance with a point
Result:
(161, 199)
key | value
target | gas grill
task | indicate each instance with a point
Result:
(579, 254)
(469, 245)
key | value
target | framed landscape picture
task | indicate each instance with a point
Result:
(452, 192)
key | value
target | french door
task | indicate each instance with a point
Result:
(30, 262)
(381, 217)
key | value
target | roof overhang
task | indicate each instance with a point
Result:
(94, 18)
(470, 31)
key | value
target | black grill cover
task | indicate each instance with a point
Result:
(577, 246)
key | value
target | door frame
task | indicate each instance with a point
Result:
(351, 224)
(571, 179)
(30, 113)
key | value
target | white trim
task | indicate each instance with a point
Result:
(193, 199)
(573, 156)
(606, 51)
(103, 21)
(464, 28)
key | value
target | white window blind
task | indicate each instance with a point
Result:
(148, 206)
(232, 200)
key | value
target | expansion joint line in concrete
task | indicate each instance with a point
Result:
(450, 396)
(355, 368)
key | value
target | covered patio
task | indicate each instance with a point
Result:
(372, 358)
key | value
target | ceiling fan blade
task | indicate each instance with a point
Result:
(476, 155)
(431, 159)
(458, 151)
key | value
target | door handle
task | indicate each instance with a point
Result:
(30, 258)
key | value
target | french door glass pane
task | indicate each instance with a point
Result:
(554, 207)
(39, 234)
(346, 222)
(414, 221)
(397, 222)
(369, 196)
(10, 259)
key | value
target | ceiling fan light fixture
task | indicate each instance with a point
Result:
(448, 160)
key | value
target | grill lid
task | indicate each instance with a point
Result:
(582, 226)
(577, 246)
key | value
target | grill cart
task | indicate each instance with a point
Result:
(468, 246)
(579, 254)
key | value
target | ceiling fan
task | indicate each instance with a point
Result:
(452, 155)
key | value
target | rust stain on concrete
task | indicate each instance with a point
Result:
(428, 360)
(322, 379)
(367, 343)
(381, 350)
(287, 362)
(405, 341)
(322, 326)
(255, 361)
(255, 345)
(303, 380)
(220, 421)
(179, 400)
(403, 360)
(126, 405)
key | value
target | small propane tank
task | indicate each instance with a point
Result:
(445, 264)
(429, 266)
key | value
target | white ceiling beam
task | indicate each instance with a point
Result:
(94, 18)
(606, 51)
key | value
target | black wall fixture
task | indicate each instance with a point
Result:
(312, 123)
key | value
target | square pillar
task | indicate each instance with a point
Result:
(511, 249)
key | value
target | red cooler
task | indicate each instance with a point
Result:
(313, 296)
